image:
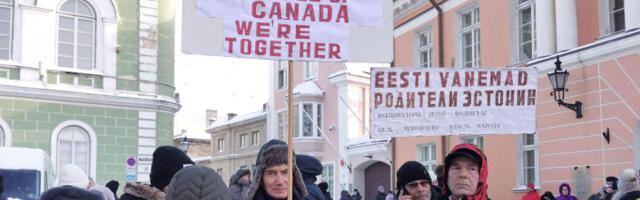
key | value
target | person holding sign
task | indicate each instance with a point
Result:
(414, 183)
(270, 178)
(465, 174)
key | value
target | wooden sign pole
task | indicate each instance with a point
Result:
(290, 138)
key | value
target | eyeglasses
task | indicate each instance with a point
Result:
(413, 185)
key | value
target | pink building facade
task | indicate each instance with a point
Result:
(598, 42)
(331, 117)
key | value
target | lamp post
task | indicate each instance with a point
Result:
(185, 144)
(558, 80)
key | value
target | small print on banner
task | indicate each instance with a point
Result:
(451, 101)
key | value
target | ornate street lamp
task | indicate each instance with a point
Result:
(185, 144)
(558, 80)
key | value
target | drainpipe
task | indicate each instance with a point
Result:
(443, 146)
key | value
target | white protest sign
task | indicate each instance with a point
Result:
(451, 101)
(303, 30)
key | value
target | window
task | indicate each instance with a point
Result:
(526, 29)
(282, 74)
(310, 70)
(6, 27)
(309, 121)
(470, 34)
(221, 145)
(425, 48)
(243, 141)
(327, 176)
(616, 15)
(475, 140)
(255, 136)
(427, 156)
(283, 125)
(76, 35)
(73, 148)
(2, 144)
(528, 161)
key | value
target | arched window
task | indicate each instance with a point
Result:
(74, 148)
(5, 134)
(76, 35)
(6, 26)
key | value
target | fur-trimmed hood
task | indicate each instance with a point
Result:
(270, 155)
(143, 191)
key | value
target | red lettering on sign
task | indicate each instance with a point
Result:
(522, 78)
(319, 48)
(290, 47)
(261, 48)
(302, 32)
(343, 13)
(403, 78)
(306, 50)
(379, 79)
(245, 46)
(482, 78)
(443, 78)
(275, 45)
(334, 50)
(230, 40)
(275, 10)
(391, 79)
(284, 30)
(262, 29)
(325, 13)
(308, 13)
(244, 28)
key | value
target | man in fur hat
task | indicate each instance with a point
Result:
(270, 176)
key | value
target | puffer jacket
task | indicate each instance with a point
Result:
(138, 191)
(70, 193)
(239, 186)
(197, 183)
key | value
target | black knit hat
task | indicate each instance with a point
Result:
(411, 171)
(167, 160)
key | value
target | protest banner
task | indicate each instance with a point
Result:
(451, 101)
(308, 30)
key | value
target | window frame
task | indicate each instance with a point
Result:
(76, 18)
(473, 28)
(282, 82)
(243, 140)
(255, 138)
(310, 71)
(91, 134)
(612, 20)
(5, 131)
(606, 19)
(522, 148)
(519, 29)
(474, 138)
(419, 47)
(220, 144)
(431, 164)
(299, 116)
(283, 124)
(326, 177)
(10, 35)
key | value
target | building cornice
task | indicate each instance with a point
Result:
(90, 97)
(233, 156)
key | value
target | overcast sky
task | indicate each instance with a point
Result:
(221, 83)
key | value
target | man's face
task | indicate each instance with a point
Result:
(419, 189)
(274, 181)
(463, 177)
(246, 177)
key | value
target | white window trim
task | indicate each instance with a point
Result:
(255, 141)
(244, 144)
(418, 158)
(458, 32)
(7, 132)
(285, 124)
(106, 41)
(605, 19)
(220, 143)
(521, 186)
(307, 67)
(12, 24)
(76, 19)
(92, 143)
(418, 49)
(316, 133)
(284, 66)
(518, 7)
(475, 139)
(320, 179)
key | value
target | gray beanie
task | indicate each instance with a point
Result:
(197, 183)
